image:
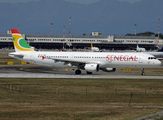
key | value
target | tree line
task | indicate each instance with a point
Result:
(146, 34)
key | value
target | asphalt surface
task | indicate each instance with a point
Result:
(35, 71)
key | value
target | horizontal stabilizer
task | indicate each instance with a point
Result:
(16, 55)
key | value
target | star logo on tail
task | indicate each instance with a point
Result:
(13, 39)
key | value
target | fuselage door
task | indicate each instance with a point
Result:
(32, 57)
(71, 57)
(140, 58)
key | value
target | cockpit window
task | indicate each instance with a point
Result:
(150, 58)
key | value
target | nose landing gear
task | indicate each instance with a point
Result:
(142, 71)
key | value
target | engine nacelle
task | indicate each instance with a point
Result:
(108, 69)
(91, 67)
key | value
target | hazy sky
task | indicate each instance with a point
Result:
(14, 1)
(77, 1)
(91, 1)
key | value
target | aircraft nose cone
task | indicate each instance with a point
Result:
(159, 63)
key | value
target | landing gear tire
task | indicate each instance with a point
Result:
(142, 72)
(78, 72)
(89, 73)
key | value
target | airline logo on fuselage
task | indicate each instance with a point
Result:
(121, 58)
(42, 56)
(109, 57)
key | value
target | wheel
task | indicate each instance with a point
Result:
(143, 74)
(89, 73)
(78, 72)
(143, 71)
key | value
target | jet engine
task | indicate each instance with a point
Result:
(91, 67)
(108, 69)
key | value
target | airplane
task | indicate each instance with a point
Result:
(94, 49)
(158, 54)
(88, 61)
(160, 50)
(138, 49)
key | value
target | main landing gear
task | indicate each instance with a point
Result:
(89, 73)
(142, 71)
(78, 72)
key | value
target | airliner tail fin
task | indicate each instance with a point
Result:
(19, 42)
(91, 45)
(137, 45)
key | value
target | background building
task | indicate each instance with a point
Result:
(84, 41)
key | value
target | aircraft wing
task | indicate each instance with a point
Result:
(69, 62)
(73, 62)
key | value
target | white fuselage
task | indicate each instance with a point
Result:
(103, 59)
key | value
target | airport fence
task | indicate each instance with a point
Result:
(72, 90)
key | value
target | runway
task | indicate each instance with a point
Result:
(40, 75)
(35, 71)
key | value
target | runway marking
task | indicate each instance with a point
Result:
(67, 69)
